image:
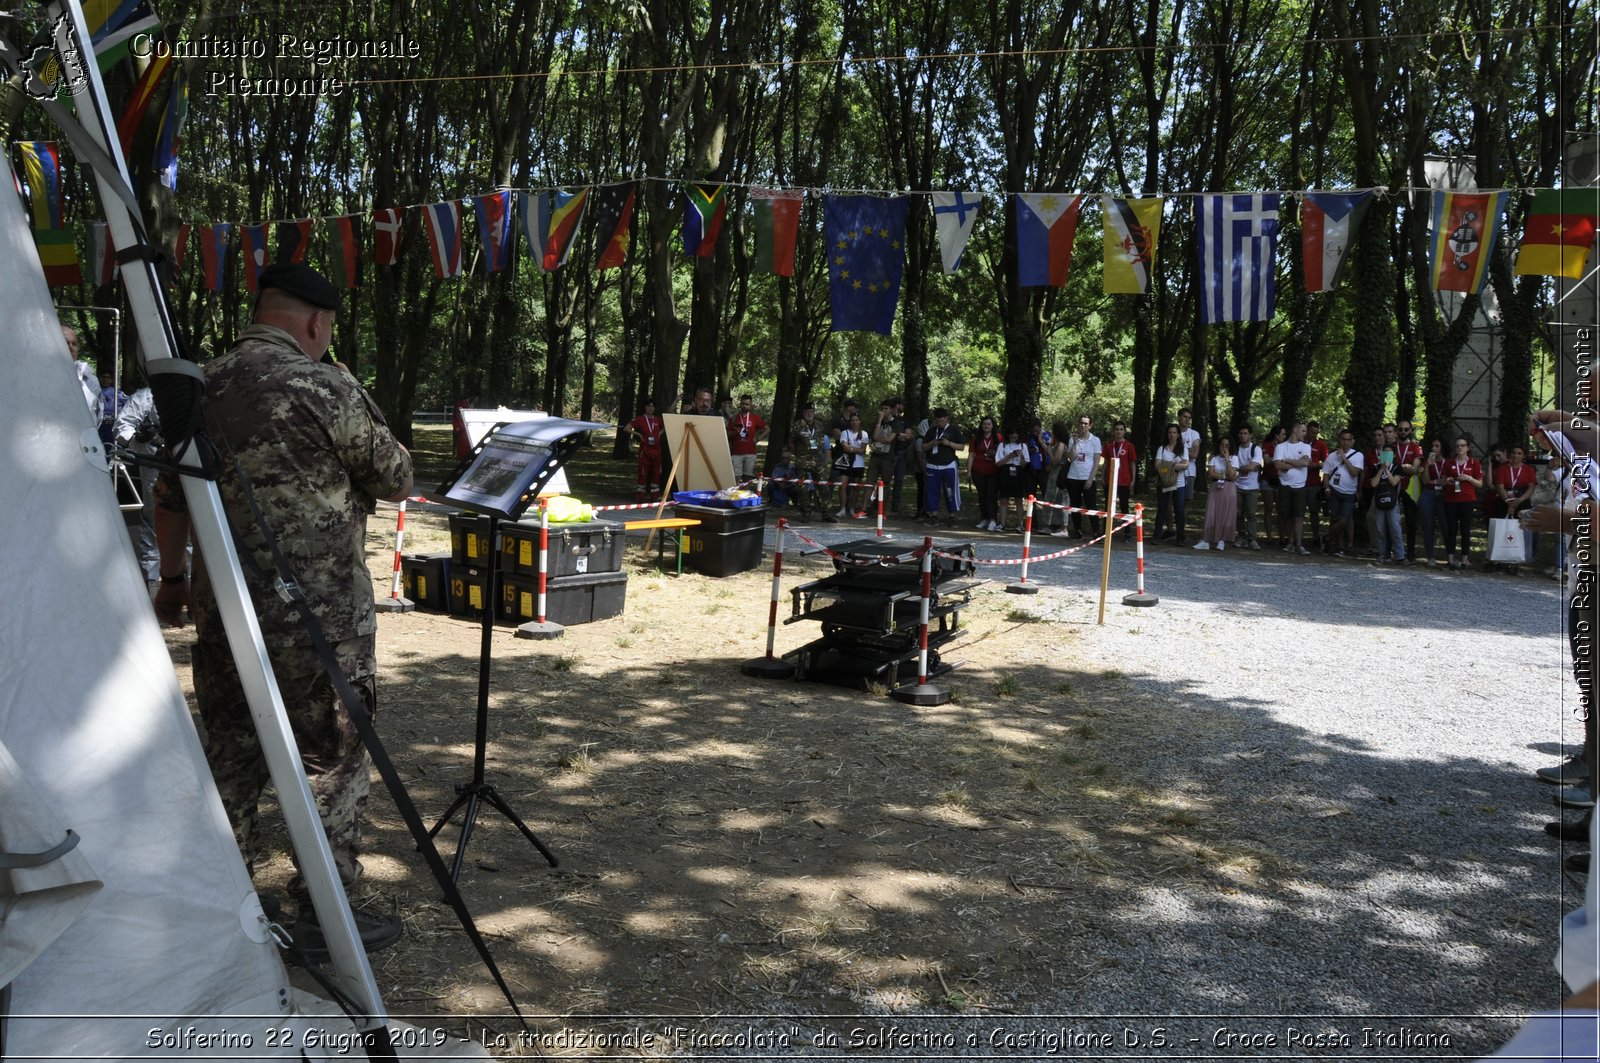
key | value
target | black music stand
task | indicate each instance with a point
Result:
(501, 478)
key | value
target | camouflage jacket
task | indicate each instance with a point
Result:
(317, 454)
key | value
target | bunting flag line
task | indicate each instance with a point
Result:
(173, 116)
(777, 226)
(41, 172)
(1328, 223)
(180, 247)
(1133, 228)
(560, 214)
(865, 240)
(1559, 232)
(1238, 240)
(494, 229)
(139, 100)
(58, 253)
(214, 253)
(344, 250)
(1465, 225)
(257, 256)
(293, 240)
(533, 210)
(1047, 222)
(613, 215)
(704, 209)
(102, 256)
(386, 235)
(954, 214)
(443, 224)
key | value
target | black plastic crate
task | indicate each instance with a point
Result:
(575, 549)
(569, 600)
(469, 591)
(469, 539)
(425, 579)
(727, 541)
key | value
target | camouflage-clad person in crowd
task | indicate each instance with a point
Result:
(809, 441)
(317, 453)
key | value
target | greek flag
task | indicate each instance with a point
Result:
(1238, 256)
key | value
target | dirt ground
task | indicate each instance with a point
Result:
(734, 845)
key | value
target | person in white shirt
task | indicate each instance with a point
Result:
(1248, 489)
(85, 375)
(851, 465)
(1192, 476)
(1341, 477)
(1011, 467)
(1293, 457)
(1172, 469)
(1221, 499)
(1083, 458)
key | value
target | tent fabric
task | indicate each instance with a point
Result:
(36, 903)
(91, 711)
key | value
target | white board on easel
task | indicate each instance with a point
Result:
(477, 423)
(703, 461)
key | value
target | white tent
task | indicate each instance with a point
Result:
(170, 955)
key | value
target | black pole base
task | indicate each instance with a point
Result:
(1022, 588)
(1145, 599)
(474, 795)
(921, 694)
(768, 668)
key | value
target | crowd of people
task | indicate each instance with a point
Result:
(1398, 499)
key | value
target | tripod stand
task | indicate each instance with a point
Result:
(476, 793)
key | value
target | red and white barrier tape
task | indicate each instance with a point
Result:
(1127, 521)
(669, 503)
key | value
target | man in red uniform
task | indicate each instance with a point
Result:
(1407, 455)
(648, 429)
(1126, 459)
(745, 430)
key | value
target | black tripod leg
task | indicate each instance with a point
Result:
(461, 799)
(472, 797)
(499, 803)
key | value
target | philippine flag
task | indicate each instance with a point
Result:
(1046, 225)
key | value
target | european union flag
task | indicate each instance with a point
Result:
(866, 254)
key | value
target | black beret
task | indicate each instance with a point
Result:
(302, 282)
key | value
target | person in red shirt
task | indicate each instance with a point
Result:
(1463, 476)
(649, 431)
(1513, 485)
(1126, 459)
(745, 430)
(1408, 456)
(984, 475)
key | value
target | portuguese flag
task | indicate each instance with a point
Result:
(1559, 232)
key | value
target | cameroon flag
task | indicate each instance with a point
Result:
(1559, 232)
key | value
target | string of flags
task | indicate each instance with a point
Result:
(864, 234)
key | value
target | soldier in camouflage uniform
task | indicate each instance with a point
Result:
(317, 453)
(808, 440)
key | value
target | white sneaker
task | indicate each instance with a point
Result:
(1202, 545)
(1221, 547)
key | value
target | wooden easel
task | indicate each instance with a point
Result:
(689, 436)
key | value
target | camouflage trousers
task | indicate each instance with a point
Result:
(336, 763)
(811, 500)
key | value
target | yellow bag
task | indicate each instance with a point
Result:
(564, 509)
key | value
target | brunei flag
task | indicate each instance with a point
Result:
(1046, 225)
(777, 227)
(1559, 232)
(344, 250)
(613, 219)
(1465, 225)
(704, 208)
(1133, 227)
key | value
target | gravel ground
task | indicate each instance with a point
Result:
(1376, 730)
